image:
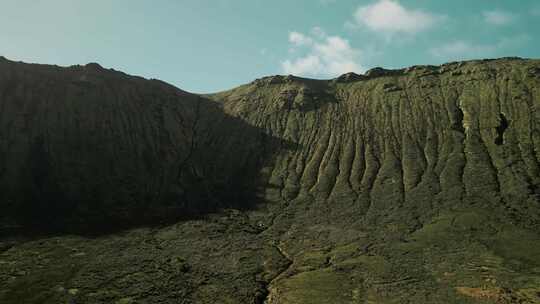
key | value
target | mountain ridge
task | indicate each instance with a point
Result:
(372, 72)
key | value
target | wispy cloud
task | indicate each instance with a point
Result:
(324, 55)
(462, 50)
(498, 17)
(390, 17)
(299, 39)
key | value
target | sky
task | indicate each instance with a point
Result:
(205, 46)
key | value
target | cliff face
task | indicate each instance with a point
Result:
(367, 188)
(416, 140)
(85, 146)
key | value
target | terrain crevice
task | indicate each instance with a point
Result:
(270, 293)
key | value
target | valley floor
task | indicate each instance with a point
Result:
(237, 257)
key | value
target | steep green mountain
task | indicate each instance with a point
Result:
(418, 185)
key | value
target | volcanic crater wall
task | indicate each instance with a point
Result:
(85, 145)
(416, 140)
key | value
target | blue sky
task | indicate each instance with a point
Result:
(211, 45)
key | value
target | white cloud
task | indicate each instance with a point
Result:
(388, 16)
(462, 50)
(324, 55)
(299, 39)
(318, 32)
(497, 17)
(309, 65)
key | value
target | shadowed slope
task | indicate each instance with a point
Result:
(87, 146)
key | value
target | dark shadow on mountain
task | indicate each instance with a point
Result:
(102, 151)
